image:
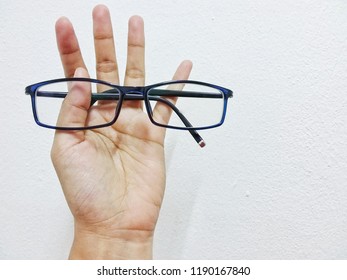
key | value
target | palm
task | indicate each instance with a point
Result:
(123, 173)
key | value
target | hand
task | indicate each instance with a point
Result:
(113, 178)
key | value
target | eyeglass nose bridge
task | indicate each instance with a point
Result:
(133, 93)
(133, 90)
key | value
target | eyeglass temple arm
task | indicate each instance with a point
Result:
(160, 92)
(105, 96)
(174, 93)
(192, 131)
(182, 93)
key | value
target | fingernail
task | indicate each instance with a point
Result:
(78, 72)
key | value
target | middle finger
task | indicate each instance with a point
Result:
(105, 52)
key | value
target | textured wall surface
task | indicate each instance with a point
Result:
(270, 184)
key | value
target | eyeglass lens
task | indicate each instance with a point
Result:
(181, 105)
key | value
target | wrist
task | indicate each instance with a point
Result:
(120, 244)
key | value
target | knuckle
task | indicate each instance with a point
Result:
(106, 67)
(135, 73)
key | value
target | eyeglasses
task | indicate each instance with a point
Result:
(186, 105)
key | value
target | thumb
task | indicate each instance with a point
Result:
(73, 111)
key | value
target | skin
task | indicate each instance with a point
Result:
(113, 178)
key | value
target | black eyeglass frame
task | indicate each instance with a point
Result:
(132, 93)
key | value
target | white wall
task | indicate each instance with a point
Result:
(271, 182)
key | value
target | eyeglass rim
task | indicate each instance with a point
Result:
(29, 90)
(32, 89)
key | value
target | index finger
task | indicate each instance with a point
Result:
(69, 50)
